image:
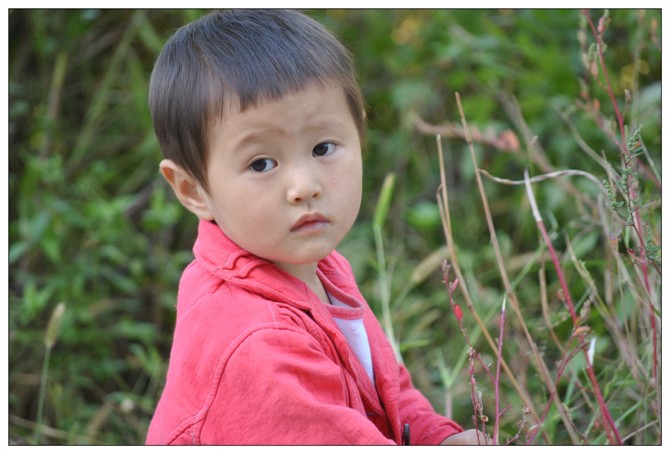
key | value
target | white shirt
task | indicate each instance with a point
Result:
(353, 329)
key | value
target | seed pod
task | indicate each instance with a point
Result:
(458, 312)
(54, 324)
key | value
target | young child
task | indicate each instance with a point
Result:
(260, 119)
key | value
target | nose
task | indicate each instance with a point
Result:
(303, 185)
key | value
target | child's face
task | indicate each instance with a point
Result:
(285, 177)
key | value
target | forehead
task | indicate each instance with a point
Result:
(315, 107)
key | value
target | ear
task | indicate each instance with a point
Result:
(190, 193)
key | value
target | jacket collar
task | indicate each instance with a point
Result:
(215, 251)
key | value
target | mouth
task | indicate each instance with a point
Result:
(311, 222)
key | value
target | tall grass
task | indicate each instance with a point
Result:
(597, 400)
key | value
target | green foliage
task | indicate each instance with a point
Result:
(92, 225)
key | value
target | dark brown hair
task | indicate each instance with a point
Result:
(240, 58)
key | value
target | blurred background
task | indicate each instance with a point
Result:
(93, 226)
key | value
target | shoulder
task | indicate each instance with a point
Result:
(227, 312)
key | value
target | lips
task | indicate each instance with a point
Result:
(310, 222)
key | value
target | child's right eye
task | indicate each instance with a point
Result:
(263, 165)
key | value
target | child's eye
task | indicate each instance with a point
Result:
(263, 165)
(323, 149)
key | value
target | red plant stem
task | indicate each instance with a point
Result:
(612, 432)
(561, 278)
(476, 403)
(451, 288)
(473, 390)
(632, 195)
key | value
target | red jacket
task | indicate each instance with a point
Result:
(258, 359)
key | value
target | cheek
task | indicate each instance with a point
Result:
(237, 207)
(347, 181)
(349, 184)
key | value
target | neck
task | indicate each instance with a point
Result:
(307, 274)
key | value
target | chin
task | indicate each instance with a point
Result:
(310, 258)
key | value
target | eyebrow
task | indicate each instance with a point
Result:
(325, 122)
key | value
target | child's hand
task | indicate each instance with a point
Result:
(469, 437)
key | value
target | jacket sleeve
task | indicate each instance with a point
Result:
(279, 387)
(426, 426)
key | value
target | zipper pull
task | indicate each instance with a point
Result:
(405, 435)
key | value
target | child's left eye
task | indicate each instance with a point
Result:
(323, 149)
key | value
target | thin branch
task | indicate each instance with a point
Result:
(505, 140)
(546, 176)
